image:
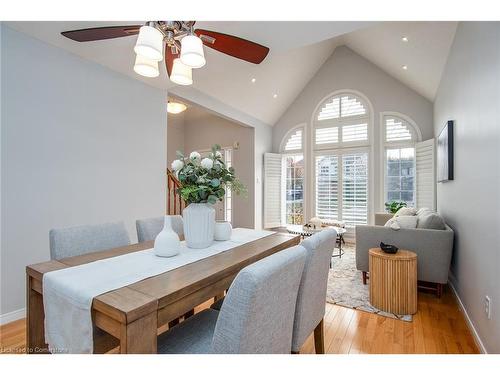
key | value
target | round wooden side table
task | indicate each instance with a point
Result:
(393, 281)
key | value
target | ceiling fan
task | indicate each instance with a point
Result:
(183, 46)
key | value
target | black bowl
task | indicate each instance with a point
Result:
(390, 249)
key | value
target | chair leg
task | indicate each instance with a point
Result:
(439, 290)
(319, 338)
(364, 277)
(295, 352)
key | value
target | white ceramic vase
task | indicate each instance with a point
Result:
(223, 230)
(199, 225)
(167, 243)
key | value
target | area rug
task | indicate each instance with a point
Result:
(345, 286)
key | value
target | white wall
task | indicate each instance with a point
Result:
(469, 94)
(81, 144)
(345, 69)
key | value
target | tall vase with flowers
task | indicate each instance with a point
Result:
(203, 182)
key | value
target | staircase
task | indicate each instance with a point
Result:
(175, 204)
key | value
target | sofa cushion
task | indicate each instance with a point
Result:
(430, 220)
(423, 209)
(406, 211)
(406, 222)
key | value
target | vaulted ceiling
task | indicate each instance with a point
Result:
(297, 51)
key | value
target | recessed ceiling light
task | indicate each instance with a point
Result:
(253, 80)
(404, 39)
(405, 67)
(275, 96)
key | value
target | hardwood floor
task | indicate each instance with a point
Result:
(438, 327)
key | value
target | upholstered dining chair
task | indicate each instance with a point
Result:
(256, 317)
(148, 229)
(310, 308)
(68, 242)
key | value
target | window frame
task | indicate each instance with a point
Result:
(339, 153)
(288, 135)
(284, 186)
(341, 122)
(394, 145)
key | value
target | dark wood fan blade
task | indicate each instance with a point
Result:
(100, 33)
(169, 59)
(233, 46)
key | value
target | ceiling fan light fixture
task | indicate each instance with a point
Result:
(192, 53)
(146, 67)
(175, 107)
(149, 43)
(181, 73)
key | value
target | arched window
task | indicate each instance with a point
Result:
(399, 136)
(342, 120)
(341, 148)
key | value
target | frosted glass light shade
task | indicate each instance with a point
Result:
(181, 74)
(149, 43)
(175, 108)
(192, 53)
(146, 67)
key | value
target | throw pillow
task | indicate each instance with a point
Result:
(430, 220)
(406, 211)
(406, 222)
(422, 210)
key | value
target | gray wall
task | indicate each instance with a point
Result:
(469, 94)
(202, 130)
(81, 144)
(345, 69)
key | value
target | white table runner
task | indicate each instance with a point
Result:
(68, 293)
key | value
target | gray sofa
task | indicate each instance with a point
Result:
(433, 248)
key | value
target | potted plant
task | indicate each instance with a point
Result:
(203, 182)
(393, 206)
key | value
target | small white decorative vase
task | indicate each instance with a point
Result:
(223, 230)
(199, 225)
(167, 243)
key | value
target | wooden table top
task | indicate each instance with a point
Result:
(128, 303)
(400, 255)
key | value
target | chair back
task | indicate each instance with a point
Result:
(310, 308)
(68, 242)
(148, 229)
(258, 311)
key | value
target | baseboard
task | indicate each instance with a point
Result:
(12, 316)
(475, 335)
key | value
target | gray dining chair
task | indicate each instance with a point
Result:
(148, 229)
(68, 242)
(256, 317)
(310, 308)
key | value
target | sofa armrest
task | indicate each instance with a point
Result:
(433, 248)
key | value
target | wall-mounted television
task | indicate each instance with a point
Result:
(445, 153)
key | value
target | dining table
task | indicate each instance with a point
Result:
(128, 319)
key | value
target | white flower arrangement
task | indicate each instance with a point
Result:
(205, 180)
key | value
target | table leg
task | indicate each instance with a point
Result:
(35, 316)
(139, 337)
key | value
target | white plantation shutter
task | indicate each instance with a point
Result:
(326, 135)
(355, 188)
(426, 175)
(351, 106)
(397, 129)
(272, 190)
(294, 142)
(327, 187)
(352, 133)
